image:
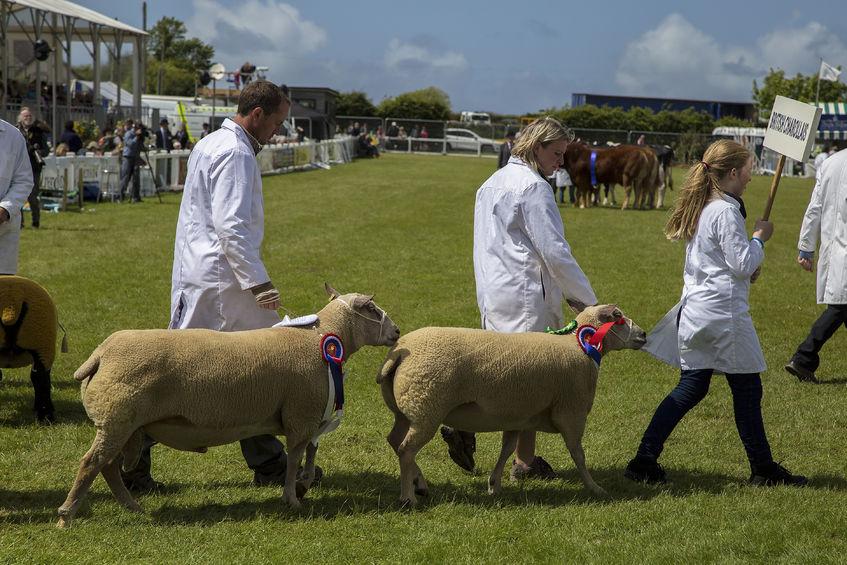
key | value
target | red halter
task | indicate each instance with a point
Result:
(596, 340)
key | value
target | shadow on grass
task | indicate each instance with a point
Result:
(835, 381)
(345, 494)
(67, 412)
(40, 506)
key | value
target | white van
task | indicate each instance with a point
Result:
(482, 118)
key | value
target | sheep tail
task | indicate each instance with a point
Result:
(389, 367)
(89, 368)
(64, 338)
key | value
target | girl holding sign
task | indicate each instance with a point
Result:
(711, 330)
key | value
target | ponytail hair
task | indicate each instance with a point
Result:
(701, 186)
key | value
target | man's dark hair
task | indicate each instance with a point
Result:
(260, 94)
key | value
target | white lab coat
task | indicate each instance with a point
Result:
(714, 329)
(15, 186)
(826, 221)
(219, 236)
(522, 263)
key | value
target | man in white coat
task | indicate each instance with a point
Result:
(15, 186)
(825, 222)
(219, 281)
(522, 263)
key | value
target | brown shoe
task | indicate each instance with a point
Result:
(538, 469)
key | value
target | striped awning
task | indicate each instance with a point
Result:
(833, 108)
(833, 123)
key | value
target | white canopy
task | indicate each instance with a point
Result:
(65, 8)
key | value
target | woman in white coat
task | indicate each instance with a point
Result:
(15, 186)
(710, 329)
(522, 263)
(825, 221)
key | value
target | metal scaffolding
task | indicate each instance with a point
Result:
(60, 23)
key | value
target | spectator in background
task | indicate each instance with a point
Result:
(71, 138)
(35, 136)
(246, 71)
(15, 186)
(164, 138)
(205, 131)
(642, 140)
(506, 149)
(415, 130)
(393, 130)
(355, 130)
(181, 137)
(131, 160)
(106, 143)
(424, 134)
(561, 182)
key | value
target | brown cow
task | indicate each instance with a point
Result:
(628, 165)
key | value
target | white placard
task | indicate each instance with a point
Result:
(792, 128)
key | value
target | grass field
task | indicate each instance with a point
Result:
(401, 227)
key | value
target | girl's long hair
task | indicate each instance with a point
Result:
(539, 133)
(701, 185)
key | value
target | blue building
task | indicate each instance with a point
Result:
(715, 108)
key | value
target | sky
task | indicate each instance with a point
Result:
(508, 56)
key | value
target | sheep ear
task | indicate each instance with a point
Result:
(576, 306)
(361, 300)
(611, 313)
(331, 292)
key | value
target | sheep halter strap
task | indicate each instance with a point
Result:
(590, 339)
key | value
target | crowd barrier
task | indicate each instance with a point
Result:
(76, 178)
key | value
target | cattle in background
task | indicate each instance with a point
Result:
(665, 155)
(631, 166)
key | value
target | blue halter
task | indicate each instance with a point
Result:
(593, 168)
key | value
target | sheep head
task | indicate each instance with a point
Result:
(624, 335)
(372, 325)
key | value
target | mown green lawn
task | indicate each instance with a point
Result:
(400, 227)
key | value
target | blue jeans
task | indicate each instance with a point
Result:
(692, 388)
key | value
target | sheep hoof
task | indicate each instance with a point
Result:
(301, 489)
(293, 504)
(493, 487)
(63, 523)
(407, 503)
(421, 490)
(599, 491)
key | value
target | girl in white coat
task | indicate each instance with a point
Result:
(711, 330)
(522, 263)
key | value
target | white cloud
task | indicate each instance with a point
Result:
(677, 59)
(261, 31)
(411, 58)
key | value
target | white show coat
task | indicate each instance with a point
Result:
(15, 186)
(826, 221)
(219, 236)
(715, 329)
(522, 263)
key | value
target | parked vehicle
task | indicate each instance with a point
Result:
(480, 118)
(466, 140)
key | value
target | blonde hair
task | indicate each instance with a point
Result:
(702, 185)
(539, 133)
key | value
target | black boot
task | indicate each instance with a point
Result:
(773, 474)
(644, 470)
(461, 447)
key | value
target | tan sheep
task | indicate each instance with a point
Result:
(28, 323)
(484, 381)
(193, 389)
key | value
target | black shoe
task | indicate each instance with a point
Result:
(461, 447)
(538, 469)
(142, 485)
(278, 478)
(775, 474)
(645, 471)
(805, 375)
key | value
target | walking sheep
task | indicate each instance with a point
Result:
(484, 381)
(193, 389)
(28, 323)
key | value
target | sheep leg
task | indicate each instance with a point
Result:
(308, 474)
(43, 404)
(112, 473)
(507, 447)
(102, 450)
(295, 455)
(415, 439)
(395, 438)
(572, 430)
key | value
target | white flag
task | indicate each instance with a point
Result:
(828, 72)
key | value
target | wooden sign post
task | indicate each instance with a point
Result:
(791, 133)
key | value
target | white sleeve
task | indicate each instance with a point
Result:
(20, 183)
(547, 233)
(742, 255)
(232, 215)
(810, 231)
